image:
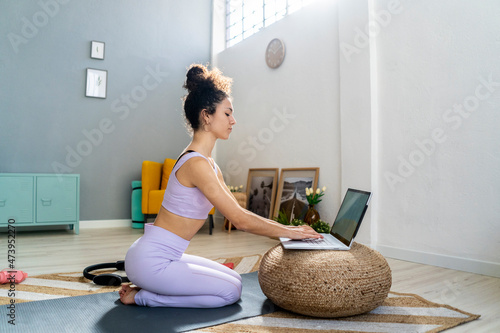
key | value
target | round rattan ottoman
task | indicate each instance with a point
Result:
(325, 284)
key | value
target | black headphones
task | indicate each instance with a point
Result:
(107, 279)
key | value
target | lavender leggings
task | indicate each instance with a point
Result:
(156, 263)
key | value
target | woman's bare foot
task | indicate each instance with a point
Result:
(127, 294)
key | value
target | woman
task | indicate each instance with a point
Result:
(156, 263)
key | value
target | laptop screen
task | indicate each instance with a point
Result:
(350, 214)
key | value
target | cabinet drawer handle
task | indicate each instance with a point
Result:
(2, 202)
(46, 202)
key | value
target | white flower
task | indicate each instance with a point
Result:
(318, 191)
(307, 191)
(324, 188)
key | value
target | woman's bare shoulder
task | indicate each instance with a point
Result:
(197, 163)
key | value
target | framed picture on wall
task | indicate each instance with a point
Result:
(291, 197)
(96, 83)
(261, 191)
(97, 50)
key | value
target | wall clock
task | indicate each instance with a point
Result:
(275, 53)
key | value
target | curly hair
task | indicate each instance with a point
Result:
(205, 89)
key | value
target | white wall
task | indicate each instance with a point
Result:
(439, 167)
(355, 109)
(287, 117)
(379, 114)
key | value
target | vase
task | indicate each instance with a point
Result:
(311, 216)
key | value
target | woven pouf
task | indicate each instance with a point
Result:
(325, 284)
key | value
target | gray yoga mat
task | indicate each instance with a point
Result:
(105, 313)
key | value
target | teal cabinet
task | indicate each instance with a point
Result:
(56, 199)
(40, 199)
(16, 199)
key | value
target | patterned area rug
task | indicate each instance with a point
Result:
(51, 286)
(399, 312)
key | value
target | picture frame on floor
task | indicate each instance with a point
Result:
(262, 186)
(291, 196)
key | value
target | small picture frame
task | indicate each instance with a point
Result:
(291, 197)
(261, 191)
(96, 83)
(97, 50)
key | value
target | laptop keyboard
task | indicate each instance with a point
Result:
(318, 241)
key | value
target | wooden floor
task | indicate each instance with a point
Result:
(63, 251)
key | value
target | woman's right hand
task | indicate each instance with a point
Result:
(301, 232)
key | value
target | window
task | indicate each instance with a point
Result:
(244, 18)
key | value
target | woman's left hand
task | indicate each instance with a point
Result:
(301, 232)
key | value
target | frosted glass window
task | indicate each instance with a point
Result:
(246, 17)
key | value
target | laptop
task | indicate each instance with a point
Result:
(344, 229)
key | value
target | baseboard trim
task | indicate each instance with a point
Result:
(451, 262)
(96, 224)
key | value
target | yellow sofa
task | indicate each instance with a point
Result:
(154, 181)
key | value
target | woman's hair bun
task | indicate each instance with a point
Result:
(196, 74)
(206, 89)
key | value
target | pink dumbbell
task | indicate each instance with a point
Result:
(13, 275)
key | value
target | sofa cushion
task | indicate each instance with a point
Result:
(168, 165)
(155, 200)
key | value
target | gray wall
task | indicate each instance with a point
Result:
(49, 126)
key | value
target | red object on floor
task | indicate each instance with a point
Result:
(229, 264)
(12, 275)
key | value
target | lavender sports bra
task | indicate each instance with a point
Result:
(186, 201)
